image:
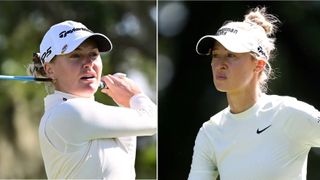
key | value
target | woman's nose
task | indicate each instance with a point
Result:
(219, 63)
(88, 62)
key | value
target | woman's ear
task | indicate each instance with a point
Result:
(49, 70)
(260, 64)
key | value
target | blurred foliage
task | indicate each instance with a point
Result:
(187, 97)
(130, 25)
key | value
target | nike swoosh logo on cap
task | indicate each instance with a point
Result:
(260, 131)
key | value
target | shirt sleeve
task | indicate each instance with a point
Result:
(203, 165)
(303, 124)
(79, 120)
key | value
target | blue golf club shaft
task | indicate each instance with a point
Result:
(32, 78)
(23, 78)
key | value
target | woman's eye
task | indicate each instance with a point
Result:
(93, 55)
(230, 55)
(213, 56)
(75, 56)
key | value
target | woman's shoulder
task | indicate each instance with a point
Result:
(286, 101)
(214, 120)
(69, 109)
(289, 104)
(277, 99)
(74, 104)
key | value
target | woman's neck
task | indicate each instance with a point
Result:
(243, 100)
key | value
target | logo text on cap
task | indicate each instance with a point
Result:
(46, 54)
(260, 50)
(63, 34)
(224, 31)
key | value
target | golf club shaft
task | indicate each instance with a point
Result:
(32, 78)
(23, 78)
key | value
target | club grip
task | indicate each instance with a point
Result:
(102, 85)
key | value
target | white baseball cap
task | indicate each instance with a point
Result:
(237, 37)
(64, 37)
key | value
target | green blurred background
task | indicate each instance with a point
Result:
(130, 25)
(187, 97)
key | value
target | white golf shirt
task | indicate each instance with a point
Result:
(270, 140)
(82, 138)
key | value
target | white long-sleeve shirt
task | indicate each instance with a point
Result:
(82, 138)
(271, 140)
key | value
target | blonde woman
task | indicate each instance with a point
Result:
(79, 137)
(258, 136)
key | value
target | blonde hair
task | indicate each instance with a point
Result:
(36, 69)
(269, 23)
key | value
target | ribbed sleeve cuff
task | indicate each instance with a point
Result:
(137, 101)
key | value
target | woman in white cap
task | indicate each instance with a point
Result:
(79, 137)
(258, 136)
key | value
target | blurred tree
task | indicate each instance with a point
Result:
(130, 25)
(187, 97)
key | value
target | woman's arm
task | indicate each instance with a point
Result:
(303, 123)
(79, 120)
(203, 165)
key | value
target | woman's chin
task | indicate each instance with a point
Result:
(221, 90)
(220, 87)
(87, 91)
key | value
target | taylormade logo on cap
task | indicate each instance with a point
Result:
(65, 33)
(235, 39)
(66, 36)
(224, 31)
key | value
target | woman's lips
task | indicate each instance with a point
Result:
(220, 77)
(88, 77)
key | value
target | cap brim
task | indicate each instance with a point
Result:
(205, 44)
(104, 44)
